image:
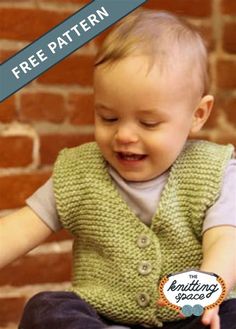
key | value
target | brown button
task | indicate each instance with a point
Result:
(143, 299)
(145, 267)
(143, 241)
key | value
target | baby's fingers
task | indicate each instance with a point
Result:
(211, 318)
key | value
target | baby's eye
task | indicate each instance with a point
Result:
(149, 124)
(106, 119)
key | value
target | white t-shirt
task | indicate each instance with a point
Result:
(143, 199)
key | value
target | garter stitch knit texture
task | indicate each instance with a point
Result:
(118, 260)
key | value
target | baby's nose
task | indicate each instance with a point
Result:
(126, 134)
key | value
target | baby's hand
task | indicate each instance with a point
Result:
(211, 318)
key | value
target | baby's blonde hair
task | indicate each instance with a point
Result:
(164, 37)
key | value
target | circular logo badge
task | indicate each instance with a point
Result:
(191, 292)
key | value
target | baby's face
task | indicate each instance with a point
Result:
(142, 118)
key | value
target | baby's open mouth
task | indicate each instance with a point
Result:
(130, 156)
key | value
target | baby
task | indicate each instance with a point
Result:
(143, 200)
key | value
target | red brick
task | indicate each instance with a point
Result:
(81, 109)
(228, 105)
(16, 151)
(16, 1)
(79, 2)
(72, 70)
(228, 7)
(27, 24)
(195, 8)
(11, 309)
(43, 268)
(42, 107)
(226, 74)
(207, 34)
(15, 189)
(229, 37)
(8, 110)
(5, 54)
(52, 144)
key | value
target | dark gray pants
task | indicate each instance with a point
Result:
(65, 310)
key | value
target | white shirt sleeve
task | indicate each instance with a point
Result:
(223, 212)
(43, 203)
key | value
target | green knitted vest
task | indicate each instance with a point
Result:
(118, 260)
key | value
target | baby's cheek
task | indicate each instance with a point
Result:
(161, 141)
(100, 133)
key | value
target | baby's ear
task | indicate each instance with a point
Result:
(202, 113)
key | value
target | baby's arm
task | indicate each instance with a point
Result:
(219, 245)
(19, 233)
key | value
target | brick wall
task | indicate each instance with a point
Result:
(55, 111)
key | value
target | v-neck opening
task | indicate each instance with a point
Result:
(126, 207)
